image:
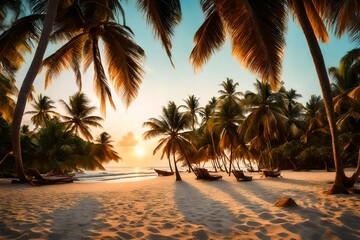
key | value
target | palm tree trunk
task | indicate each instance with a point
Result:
(170, 165)
(318, 59)
(27, 84)
(231, 156)
(177, 174)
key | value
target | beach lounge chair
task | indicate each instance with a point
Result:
(163, 173)
(240, 176)
(271, 173)
(203, 173)
(36, 178)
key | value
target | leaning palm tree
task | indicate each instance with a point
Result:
(171, 126)
(79, 119)
(104, 150)
(26, 86)
(43, 110)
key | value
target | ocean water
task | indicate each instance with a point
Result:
(118, 174)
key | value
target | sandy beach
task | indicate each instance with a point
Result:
(161, 208)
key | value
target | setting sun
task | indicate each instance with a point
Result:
(139, 152)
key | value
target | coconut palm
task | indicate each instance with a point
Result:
(8, 90)
(43, 110)
(293, 111)
(79, 119)
(226, 119)
(265, 121)
(103, 149)
(192, 107)
(170, 126)
(229, 90)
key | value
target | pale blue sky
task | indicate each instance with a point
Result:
(163, 83)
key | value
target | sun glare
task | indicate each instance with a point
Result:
(139, 152)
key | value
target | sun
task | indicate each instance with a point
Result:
(139, 152)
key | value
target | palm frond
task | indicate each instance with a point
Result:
(316, 22)
(208, 38)
(102, 89)
(124, 58)
(69, 55)
(18, 40)
(256, 29)
(163, 15)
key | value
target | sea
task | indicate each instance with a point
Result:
(119, 174)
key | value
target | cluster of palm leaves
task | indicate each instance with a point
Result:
(56, 145)
(263, 128)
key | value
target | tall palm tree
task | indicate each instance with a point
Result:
(8, 90)
(226, 119)
(170, 126)
(26, 86)
(264, 123)
(192, 107)
(95, 22)
(43, 110)
(104, 150)
(79, 119)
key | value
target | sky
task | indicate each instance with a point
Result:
(163, 83)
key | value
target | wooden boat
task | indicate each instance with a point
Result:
(163, 173)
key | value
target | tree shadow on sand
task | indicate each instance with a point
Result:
(199, 209)
(76, 222)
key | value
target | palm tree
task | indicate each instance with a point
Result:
(103, 149)
(26, 86)
(265, 121)
(315, 114)
(293, 111)
(79, 119)
(43, 110)
(346, 77)
(229, 91)
(226, 119)
(8, 89)
(95, 22)
(192, 107)
(170, 126)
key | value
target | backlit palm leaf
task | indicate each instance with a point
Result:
(208, 38)
(69, 55)
(256, 30)
(124, 59)
(163, 15)
(18, 40)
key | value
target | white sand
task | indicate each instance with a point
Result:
(161, 208)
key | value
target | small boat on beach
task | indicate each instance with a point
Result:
(163, 172)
